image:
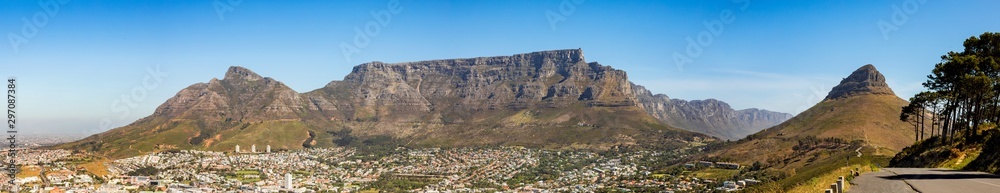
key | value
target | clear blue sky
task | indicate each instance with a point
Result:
(776, 55)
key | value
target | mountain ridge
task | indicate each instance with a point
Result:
(539, 99)
(709, 116)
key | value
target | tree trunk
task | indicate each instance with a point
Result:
(921, 123)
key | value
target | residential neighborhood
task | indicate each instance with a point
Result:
(498, 169)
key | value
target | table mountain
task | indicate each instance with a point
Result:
(553, 99)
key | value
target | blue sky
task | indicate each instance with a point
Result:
(776, 55)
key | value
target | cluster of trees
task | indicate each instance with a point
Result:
(144, 171)
(387, 184)
(368, 147)
(963, 92)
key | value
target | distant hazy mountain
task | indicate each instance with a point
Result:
(709, 116)
(542, 99)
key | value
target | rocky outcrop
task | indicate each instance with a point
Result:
(708, 116)
(863, 81)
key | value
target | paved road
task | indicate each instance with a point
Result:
(926, 180)
(879, 182)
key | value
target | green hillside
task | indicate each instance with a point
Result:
(860, 115)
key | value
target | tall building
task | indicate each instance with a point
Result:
(268, 149)
(288, 181)
(237, 148)
(253, 148)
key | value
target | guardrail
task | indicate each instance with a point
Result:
(837, 187)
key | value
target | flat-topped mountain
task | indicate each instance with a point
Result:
(550, 99)
(549, 79)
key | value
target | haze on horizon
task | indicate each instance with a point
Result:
(776, 55)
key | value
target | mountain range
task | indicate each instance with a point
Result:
(710, 116)
(550, 99)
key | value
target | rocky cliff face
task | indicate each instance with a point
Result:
(551, 79)
(863, 81)
(708, 116)
(542, 99)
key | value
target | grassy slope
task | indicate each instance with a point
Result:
(140, 137)
(715, 173)
(159, 134)
(824, 181)
(873, 118)
(817, 141)
(277, 134)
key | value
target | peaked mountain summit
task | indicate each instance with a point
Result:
(552, 99)
(242, 96)
(864, 80)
